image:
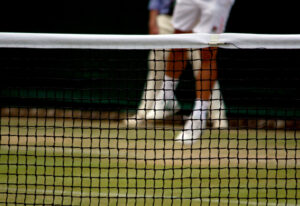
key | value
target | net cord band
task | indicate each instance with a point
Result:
(89, 41)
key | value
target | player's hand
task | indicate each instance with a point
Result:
(153, 28)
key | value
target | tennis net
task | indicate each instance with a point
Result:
(115, 119)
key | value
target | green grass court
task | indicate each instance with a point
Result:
(79, 162)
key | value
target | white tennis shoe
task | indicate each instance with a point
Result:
(163, 109)
(195, 123)
(192, 131)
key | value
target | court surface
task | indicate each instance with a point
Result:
(78, 162)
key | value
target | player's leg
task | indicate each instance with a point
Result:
(216, 113)
(205, 81)
(161, 81)
(154, 81)
(213, 19)
(155, 74)
(217, 22)
(217, 108)
(165, 102)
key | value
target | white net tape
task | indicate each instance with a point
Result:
(84, 41)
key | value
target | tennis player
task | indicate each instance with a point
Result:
(199, 16)
(160, 22)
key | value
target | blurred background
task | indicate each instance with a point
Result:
(131, 17)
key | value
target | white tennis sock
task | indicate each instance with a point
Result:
(200, 110)
(165, 101)
(168, 88)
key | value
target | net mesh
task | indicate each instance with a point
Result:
(90, 124)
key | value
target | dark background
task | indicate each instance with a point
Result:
(130, 17)
(262, 90)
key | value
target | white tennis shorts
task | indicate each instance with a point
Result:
(201, 16)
